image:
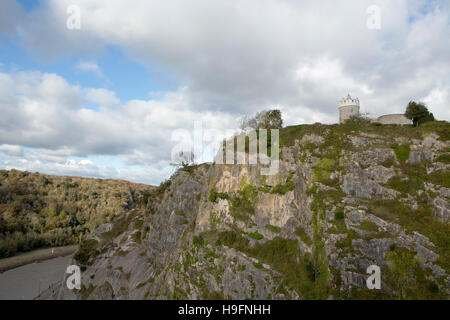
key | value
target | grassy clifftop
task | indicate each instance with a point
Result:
(288, 135)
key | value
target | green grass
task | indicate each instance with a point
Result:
(283, 188)
(298, 272)
(288, 135)
(388, 163)
(322, 169)
(199, 241)
(404, 184)
(421, 220)
(215, 218)
(243, 203)
(303, 236)
(403, 264)
(232, 239)
(441, 128)
(86, 292)
(256, 235)
(339, 215)
(138, 224)
(339, 223)
(410, 180)
(140, 285)
(214, 196)
(121, 253)
(440, 177)
(367, 225)
(346, 243)
(137, 237)
(401, 152)
(120, 225)
(444, 158)
(272, 228)
(86, 251)
(190, 169)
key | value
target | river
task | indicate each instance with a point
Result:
(26, 282)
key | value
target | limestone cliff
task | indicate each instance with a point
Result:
(345, 197)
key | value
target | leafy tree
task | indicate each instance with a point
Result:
(268, 119)
(39, 211)
(403, 265)
(418, 113)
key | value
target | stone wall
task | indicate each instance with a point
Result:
(393, 119)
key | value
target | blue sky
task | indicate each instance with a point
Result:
(29, 5)
(109, 99)
(119, 74)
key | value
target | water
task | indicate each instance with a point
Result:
(25, 282)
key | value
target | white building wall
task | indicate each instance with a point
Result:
(394, 119)
(346, 112)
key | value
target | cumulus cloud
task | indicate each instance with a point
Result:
(250, 54)
(40, 161)
(102, 97)
(88, 66)
(10, 150)
(440, 98)
(44, 112)
(232, 58)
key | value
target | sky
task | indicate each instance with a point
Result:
(110, 96)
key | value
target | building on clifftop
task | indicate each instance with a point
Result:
(349, 107)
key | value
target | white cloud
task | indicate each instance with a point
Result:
(232, 58)
(15, 151)
(88, 66)
(439, 98)
(46, 113)
(38, 161)
(102, 97)
(245, 55)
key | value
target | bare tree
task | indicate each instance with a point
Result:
(268, 119)
(183, 158)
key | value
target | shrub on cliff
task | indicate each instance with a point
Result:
(418, 113)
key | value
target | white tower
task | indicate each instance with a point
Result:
(348, 108)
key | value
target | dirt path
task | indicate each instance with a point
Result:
(35, 256)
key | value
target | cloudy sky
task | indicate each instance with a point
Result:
(105, 99)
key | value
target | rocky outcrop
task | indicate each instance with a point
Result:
(308, 232)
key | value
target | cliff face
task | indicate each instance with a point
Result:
(345, 197)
